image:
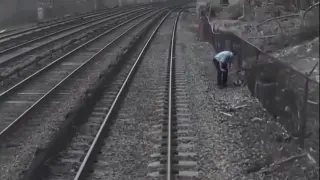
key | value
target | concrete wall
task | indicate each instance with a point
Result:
(279, 88)
(17, 11)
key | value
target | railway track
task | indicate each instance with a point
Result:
(20, 99)
(76, 152)
(45, 50)
(50, 26)
(18, 51)
(73, 150)
(33, 36)
(49, 88)
(39, 25)
(16, 38)
(172, 158)
(175, 155)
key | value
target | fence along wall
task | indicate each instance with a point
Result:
(283, 91)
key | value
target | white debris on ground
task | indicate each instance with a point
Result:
(237, 138)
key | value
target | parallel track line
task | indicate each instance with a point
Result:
(5, 131)
(6, 57)
(81, 171)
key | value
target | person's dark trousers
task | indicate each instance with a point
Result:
(222, 76)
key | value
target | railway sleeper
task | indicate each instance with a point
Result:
(79, 113)
(71, 44)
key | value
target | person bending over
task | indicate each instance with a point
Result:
(223, 62)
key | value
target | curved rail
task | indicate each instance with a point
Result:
(89, 155)
(9, 128)
(170, 102)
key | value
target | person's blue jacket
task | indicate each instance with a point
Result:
(224, 57)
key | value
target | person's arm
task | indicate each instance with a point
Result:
(223, 60)
(229, 61)
(229, 65)
(221, 66)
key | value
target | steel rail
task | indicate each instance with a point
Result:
(110, 13)
(170, 102)
(16, 70)
(65, 29)
(89, 154)
(10, 90)
(37, 29)
(43, 27)
(4, 132)
(4, 63)
(119, 8)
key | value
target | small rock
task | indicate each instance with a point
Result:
(256, 119)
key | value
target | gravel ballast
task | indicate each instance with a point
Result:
(236, 138)
(18, 69)
(25, 143)
(127, 150)
(233, 143)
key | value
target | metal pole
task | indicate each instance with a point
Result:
(95, 4)
(210, 10)
(304, 118)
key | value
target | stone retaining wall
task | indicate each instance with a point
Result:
(279, 88)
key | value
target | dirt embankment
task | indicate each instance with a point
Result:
(277, 29)
(274, 27)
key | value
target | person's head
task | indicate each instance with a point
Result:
(234, 52)
(202, 13)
